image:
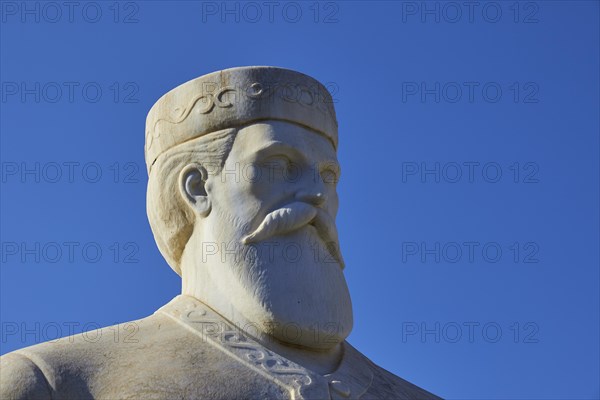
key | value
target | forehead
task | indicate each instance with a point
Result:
(256, 137)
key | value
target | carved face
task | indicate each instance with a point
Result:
(268, 236)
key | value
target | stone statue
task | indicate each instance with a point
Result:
(242, 202)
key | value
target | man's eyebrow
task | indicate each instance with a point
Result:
(275, 146)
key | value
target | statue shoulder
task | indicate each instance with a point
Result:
(21, 378)
(386, 384)
(65, 367)
(386, 380)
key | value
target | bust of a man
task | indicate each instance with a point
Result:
(242, 202)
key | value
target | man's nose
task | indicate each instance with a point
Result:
(316, 198)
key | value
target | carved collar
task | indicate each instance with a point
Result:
(350, 381)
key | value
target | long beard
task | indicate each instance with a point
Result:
(291, 285)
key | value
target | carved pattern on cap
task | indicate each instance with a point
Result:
(233, 98)
(254, 91)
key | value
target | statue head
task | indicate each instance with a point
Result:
(242, 200)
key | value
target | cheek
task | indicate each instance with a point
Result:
(269, 186)
(243, 199)
(234, 196)
(332, 202)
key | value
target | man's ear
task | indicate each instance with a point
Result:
(192, 186)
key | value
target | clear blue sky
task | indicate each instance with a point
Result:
(469, 141)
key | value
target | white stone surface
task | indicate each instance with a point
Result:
(242, 202)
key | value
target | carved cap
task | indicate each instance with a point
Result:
(234, 97)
